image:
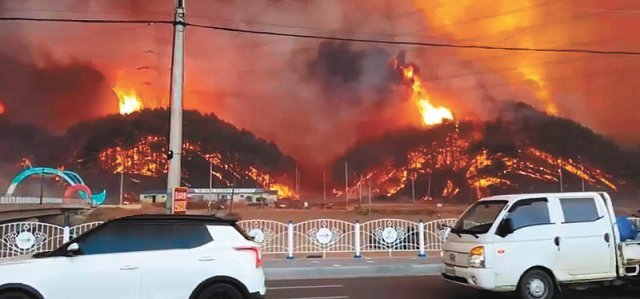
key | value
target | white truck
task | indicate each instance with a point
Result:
(538, 244)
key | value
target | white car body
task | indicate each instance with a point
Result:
(158, 274)
(572, 252)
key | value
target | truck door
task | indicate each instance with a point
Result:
(530, 244)
(585, 242)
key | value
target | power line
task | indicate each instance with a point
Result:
(415, 43)
(333, 38)
(91, 21)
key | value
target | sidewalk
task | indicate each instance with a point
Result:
(350, 268)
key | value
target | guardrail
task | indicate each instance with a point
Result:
(30, 200)
(319, 236)
(325, 236)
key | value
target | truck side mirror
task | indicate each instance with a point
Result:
(505, 228)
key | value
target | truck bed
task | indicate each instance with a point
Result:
(630, 251)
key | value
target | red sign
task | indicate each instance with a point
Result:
(180, 200)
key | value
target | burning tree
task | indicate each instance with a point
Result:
(136, 145)
(519, 153)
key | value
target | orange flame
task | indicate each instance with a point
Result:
(431, 115)
(143, 158)
(2, 108)
(521, 23)
(128, 101)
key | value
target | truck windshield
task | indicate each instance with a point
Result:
(479, 218)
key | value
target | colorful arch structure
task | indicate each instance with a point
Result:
(70, 177)
(83, 190)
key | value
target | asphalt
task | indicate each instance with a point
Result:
(419, 287)
(350, 268)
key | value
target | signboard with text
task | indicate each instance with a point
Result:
(180, 200)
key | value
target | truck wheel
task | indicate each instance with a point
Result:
(484, 294)
(14, 295)
(536, 284)
(220, 291)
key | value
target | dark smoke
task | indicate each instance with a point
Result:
(55, 95)
(356, 74)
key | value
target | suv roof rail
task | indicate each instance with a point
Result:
(177, 218)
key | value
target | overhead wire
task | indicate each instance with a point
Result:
(334, 38)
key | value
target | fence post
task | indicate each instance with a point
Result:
(66, 234)
(421, 239)
(290, 240)
(357, 239)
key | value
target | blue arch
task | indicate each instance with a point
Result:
(69, 177)
(74, 176)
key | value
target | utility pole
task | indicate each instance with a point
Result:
(561, 182)
(297, 181)
(369, 196)
(122, 159)
(429, 186)
(177, 80)
(582, 177)
(346, 184)
(41, 184)
(413, 185)
(210, 179)
(324, 186)
(360, 192)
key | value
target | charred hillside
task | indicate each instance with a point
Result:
(524, 150)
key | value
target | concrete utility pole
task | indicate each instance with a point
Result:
(177, 80)
(210, 179)
(324, 186)
(123, 157)
(346, 184)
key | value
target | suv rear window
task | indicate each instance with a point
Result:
(579, 210)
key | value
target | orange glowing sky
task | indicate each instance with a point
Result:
(262, 83)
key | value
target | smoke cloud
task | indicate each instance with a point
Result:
(313, 98)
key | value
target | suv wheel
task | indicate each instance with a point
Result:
(536, 284)
(14, 295)
(218, 291)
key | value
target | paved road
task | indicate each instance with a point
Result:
(431, 287)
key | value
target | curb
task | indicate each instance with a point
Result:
(295, 273)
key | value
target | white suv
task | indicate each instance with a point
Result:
(149, 256)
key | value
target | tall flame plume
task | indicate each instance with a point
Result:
(431, 114)
(128, 101)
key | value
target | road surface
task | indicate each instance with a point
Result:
(431, 287)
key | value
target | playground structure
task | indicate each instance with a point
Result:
(74, 181)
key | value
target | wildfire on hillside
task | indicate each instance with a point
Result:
(481, 172)
(128, 101)
(430, 113)
(146, 158)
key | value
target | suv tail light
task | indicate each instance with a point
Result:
(255, 251)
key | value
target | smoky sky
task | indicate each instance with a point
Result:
(312, 98)
(339, 67)
(54, 95)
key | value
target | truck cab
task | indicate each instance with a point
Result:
(536, 244)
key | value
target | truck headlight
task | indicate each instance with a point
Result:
(476, 257)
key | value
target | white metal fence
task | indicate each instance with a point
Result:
(30, 200)
(320, 236)
(22, 238)
(326, 236)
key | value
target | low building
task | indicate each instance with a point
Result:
(249, 195)
(153, 196)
